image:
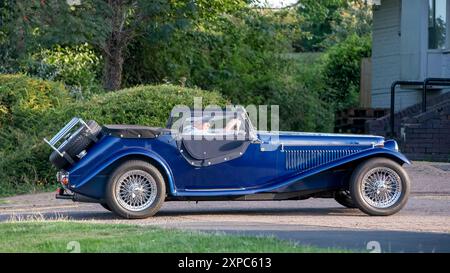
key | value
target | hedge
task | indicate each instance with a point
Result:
(24, 95)
(38, 109)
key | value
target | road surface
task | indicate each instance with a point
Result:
(422, 226)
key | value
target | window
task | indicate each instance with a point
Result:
(218, 125)
(437, 24)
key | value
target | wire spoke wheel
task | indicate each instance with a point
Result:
(136, 190)
(381, 187)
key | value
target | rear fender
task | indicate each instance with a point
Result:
(132, 152)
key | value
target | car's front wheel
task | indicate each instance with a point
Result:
(136, 189)
(379, 187)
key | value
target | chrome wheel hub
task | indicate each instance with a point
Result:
(381, 187)
(136, 190)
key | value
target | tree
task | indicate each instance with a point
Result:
(326, 23)
(316, 19)
(131, 19)
(356, 18)
(11, 36)
(341, 70)
(110, 25)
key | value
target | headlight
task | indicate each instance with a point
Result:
(391, 144)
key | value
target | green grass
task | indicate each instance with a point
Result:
(36, 236)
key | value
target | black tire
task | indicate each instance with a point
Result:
(58, 161)
(78, 142)
(361, 200)
(345, 199)
(83, 139)
(105, 206)
(131, 167)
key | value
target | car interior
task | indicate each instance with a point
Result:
(213, 138)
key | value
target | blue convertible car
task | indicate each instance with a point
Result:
(131, 170)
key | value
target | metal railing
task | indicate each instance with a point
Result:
(64, 133)
(425, 86)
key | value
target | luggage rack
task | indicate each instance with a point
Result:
(65, 134)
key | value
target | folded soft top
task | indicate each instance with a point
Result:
(132, 131)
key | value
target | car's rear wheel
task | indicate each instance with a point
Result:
(136, 189)
(379, 187)
(345, 199)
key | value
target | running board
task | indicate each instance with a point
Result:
(269, 196)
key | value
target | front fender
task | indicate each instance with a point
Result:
(386, 152)
(370, 153)
(81, 181)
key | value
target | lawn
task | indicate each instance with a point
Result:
(62, 236)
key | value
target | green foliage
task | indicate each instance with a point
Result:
(306, 108)
(40, 111)
(341, 70)
(356, 18)
(8, 37)
(242, 57)
(112, 25)
(301, 107)
(107, 25)
(325, 23)
(22, 96)
(43, 24)
(316, 19)
(78, 67)
(236, 54)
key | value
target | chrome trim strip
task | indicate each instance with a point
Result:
(322, 144)
(290, 133)
(224, 189)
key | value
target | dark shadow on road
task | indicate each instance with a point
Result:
(262, 211)
(361, 241)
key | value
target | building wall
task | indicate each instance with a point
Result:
(385, 50)
(400, 52)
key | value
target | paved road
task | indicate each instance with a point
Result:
(422, 226)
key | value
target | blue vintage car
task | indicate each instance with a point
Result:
(131, 170)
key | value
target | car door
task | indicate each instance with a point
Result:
(226, 163)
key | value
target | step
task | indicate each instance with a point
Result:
(381, 126)
(420, 117)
